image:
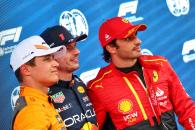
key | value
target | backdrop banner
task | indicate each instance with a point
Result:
(170, 33)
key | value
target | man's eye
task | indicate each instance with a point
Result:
(48, 58)
(130, 38)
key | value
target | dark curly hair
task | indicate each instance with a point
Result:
(106, 54)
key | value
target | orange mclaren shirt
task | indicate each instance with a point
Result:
(34, 111)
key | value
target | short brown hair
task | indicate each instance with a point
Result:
(106, 54)
(17, 72)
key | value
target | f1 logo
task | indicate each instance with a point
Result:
(128, 7)
(188, 51)
(131, 8)
(10, 34)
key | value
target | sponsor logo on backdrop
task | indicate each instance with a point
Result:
(14, 96)
(128, 10)
(146, 52)
(188, 51)
(74, 21)
(89, 75)
(12, 34)
(178, 7)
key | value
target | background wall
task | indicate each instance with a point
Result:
(170, 33)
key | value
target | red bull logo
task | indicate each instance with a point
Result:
(89, 126)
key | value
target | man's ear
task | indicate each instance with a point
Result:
(111, 49)
(25, 69)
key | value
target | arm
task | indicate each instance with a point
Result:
(31, 118)
(182, 103)
(99, 108)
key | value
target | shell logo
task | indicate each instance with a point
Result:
(125, 105)
(89, 126)
(155, 76)
(80, 89)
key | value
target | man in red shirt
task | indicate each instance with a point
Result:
(135, 91)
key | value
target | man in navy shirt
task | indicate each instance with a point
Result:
(69, 94)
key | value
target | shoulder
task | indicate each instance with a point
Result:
(148, 60)
(29, 104)
(102, 74)
(31, 116)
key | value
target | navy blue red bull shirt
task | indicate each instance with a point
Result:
(71, 101)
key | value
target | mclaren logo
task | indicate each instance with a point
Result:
(125, 106)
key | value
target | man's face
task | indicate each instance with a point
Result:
(45, 70)
(128, 48)
(68, 59)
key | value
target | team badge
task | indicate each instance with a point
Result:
(59, 119)
(155, 76)
(125, 105)
(72, 83)
(80, 89)
(125, 20)
(89, 126)
(58, 97)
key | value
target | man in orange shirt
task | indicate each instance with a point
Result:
(36, 70)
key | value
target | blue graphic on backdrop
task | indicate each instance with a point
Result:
(170, 33)
(75, 22)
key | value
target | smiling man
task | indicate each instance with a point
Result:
(69, 94)
(36, 70)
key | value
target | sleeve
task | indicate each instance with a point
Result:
(98, 107)
(182, 103)
(31, 118)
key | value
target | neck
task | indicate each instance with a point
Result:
(35, 85)
(64, 75)
(123, 63)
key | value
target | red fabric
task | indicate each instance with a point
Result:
(110, 93)
(117, 27)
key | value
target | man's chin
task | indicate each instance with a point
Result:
(75, 67)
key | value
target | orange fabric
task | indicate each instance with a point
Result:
(38, 113)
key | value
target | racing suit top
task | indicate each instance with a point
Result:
(34, 111)
(73, 104)
(129, 102)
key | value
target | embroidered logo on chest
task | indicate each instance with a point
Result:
(125, 105)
